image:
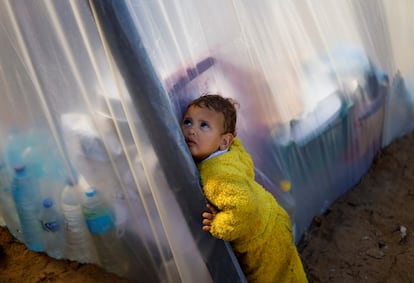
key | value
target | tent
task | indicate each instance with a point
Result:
(92, 94)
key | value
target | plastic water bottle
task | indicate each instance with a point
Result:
(78, 241)
(101, 224)
(27, 200)
(8, 208)
(51, 224)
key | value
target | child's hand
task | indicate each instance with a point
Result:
(208, 217)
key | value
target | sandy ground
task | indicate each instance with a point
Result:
(18, 264)
(359, 238)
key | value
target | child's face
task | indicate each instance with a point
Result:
(203, 131)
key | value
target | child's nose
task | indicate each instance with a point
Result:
(191, 130)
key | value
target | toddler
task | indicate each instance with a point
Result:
(241, 211)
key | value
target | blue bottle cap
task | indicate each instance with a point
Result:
(47, 202)
(19, 167)
(91, 193)
(69, 181)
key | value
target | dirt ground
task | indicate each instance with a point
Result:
(359, 239)
(20, 265)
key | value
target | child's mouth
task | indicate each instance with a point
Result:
(190, 142)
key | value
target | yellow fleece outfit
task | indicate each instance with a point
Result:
(249, 217)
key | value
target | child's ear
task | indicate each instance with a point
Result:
(226, 141)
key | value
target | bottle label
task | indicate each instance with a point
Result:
(51, 226)
(100, 224)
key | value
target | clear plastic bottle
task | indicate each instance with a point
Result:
(51, 224)
(78, 241)
(99, 217)
(8, 208)
(27, 200)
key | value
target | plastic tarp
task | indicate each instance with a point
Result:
(95, 90)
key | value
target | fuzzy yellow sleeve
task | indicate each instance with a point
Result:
(236, 205)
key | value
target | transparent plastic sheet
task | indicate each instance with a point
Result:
(312, 80)
(97, 89)
(57, 86)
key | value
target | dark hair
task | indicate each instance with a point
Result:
(220, 104)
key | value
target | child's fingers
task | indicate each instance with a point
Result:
(206, 228)
(212, 209)
(207, 215)
(206, 222)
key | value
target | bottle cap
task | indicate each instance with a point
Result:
(91, 193)
(285, 185)
(19, 167)
(69, 182)
(47, 202)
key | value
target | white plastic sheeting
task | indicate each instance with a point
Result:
(96, 89)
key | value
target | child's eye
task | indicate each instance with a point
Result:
(187, 123)
(204, 125)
